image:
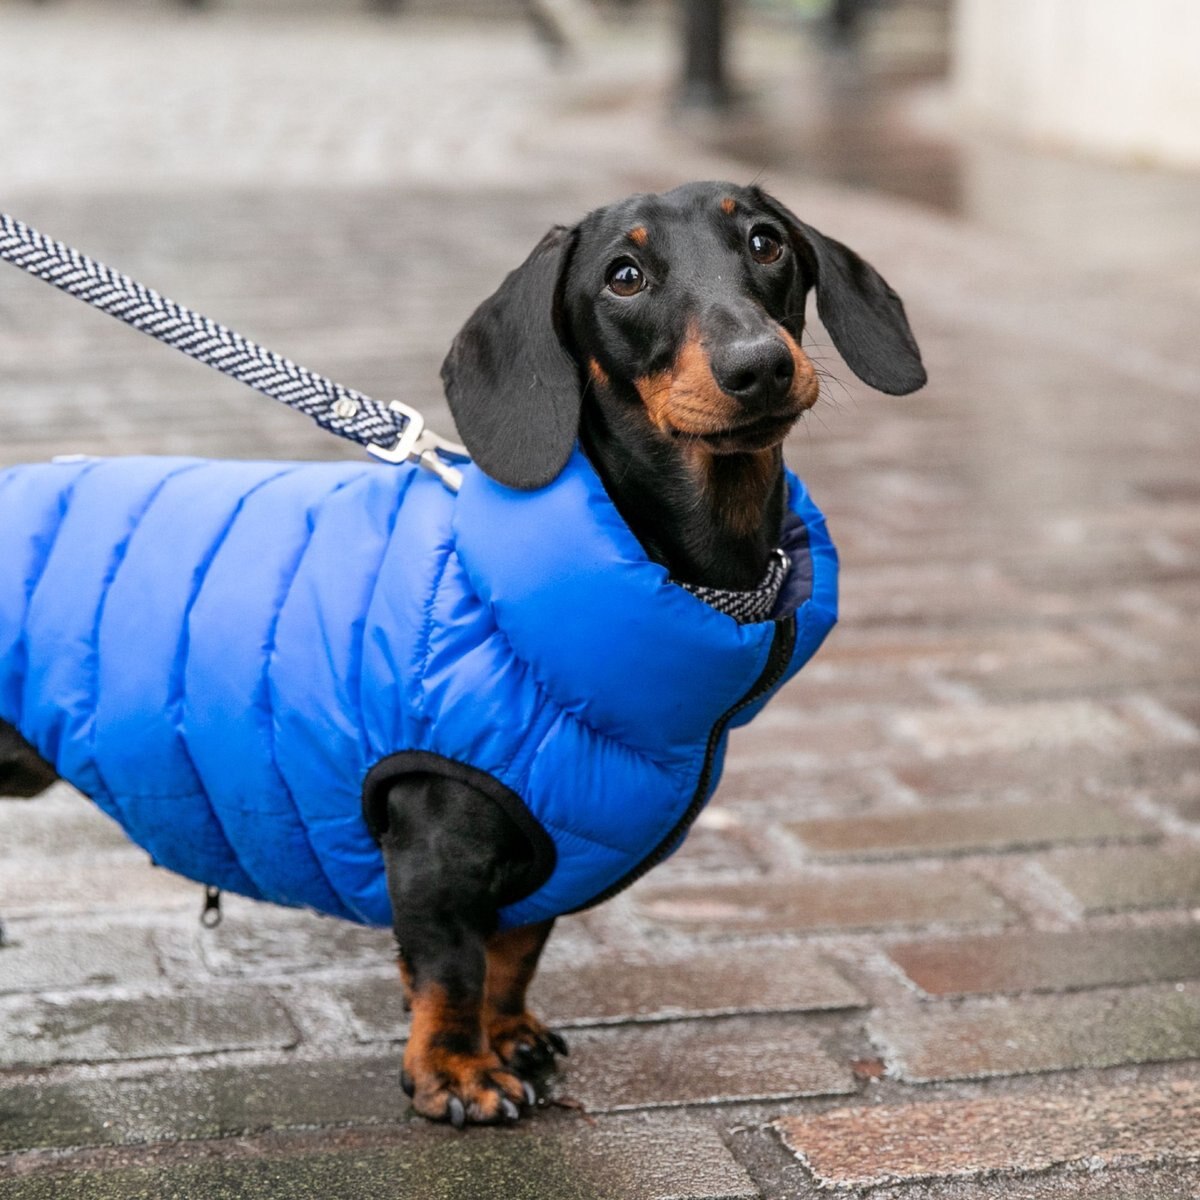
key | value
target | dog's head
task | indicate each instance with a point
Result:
(688, 307)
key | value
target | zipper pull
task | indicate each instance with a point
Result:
(210, 917)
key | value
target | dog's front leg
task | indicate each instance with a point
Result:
(450, 853)
(515, 1034)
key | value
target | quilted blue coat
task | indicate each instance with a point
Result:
(225, 654)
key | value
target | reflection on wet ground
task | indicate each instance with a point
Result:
(880, 115)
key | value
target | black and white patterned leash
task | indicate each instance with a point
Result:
(393, 432)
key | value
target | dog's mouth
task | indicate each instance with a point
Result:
(760, 434)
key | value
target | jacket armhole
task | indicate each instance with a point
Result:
(384, 773)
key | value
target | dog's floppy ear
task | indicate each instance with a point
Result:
(512, 386)
(864, 316)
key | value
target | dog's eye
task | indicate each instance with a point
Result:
(765, 246)
(625, 278)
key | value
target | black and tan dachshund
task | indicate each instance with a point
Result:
(664, 335)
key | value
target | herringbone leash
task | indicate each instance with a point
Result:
(340, 410)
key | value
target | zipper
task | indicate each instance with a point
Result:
(783, 643)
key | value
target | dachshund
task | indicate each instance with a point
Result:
(662, 335)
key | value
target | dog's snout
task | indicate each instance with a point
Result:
(756, 371)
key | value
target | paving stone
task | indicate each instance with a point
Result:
(117, 880)
(719, 841)
(1099, 679)
(51, 824)
(686, 1062)
(1131, 565)
(824, 685)
(1031, 961)
(909, 833)
(634, 1158)
(1006, 777)
(609, 1069)
(1188, 809)
(43, 1116)
(37, 957)
(253, 939)
(909, 646)
(1091, 1127)
(1124, 877)
(1186, 701)
(697, 982)
(781, 1174)
(1016, 728)
(880, 897)
(619, 987)
(893, 592)
(1077, 773)
(201, 1101)
(1004, 1036)
(1179, 792)
(840, 733)
(40, 1031)
(1156, 1181)
(759, 792)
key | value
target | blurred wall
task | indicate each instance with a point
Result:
(1116, 77)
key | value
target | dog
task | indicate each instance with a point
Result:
(624, 394)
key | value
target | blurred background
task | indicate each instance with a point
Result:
(333, 172)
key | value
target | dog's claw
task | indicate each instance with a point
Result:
(406, 1084)
(557, 1043)
(464, 1089)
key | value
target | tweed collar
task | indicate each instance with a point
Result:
(749, 606)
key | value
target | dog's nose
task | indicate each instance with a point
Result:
(756, 371)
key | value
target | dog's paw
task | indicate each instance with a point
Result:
(465, 1089)
(524, 1044)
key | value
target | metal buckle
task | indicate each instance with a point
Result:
(424, 447)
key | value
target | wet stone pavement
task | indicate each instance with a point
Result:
(935, 939)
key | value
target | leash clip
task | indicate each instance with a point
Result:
(418, 444)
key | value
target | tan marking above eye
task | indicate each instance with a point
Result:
(638, 235)
(729, 206)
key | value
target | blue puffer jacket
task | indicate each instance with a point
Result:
(222, 654)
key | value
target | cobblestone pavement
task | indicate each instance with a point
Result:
(937, 937)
